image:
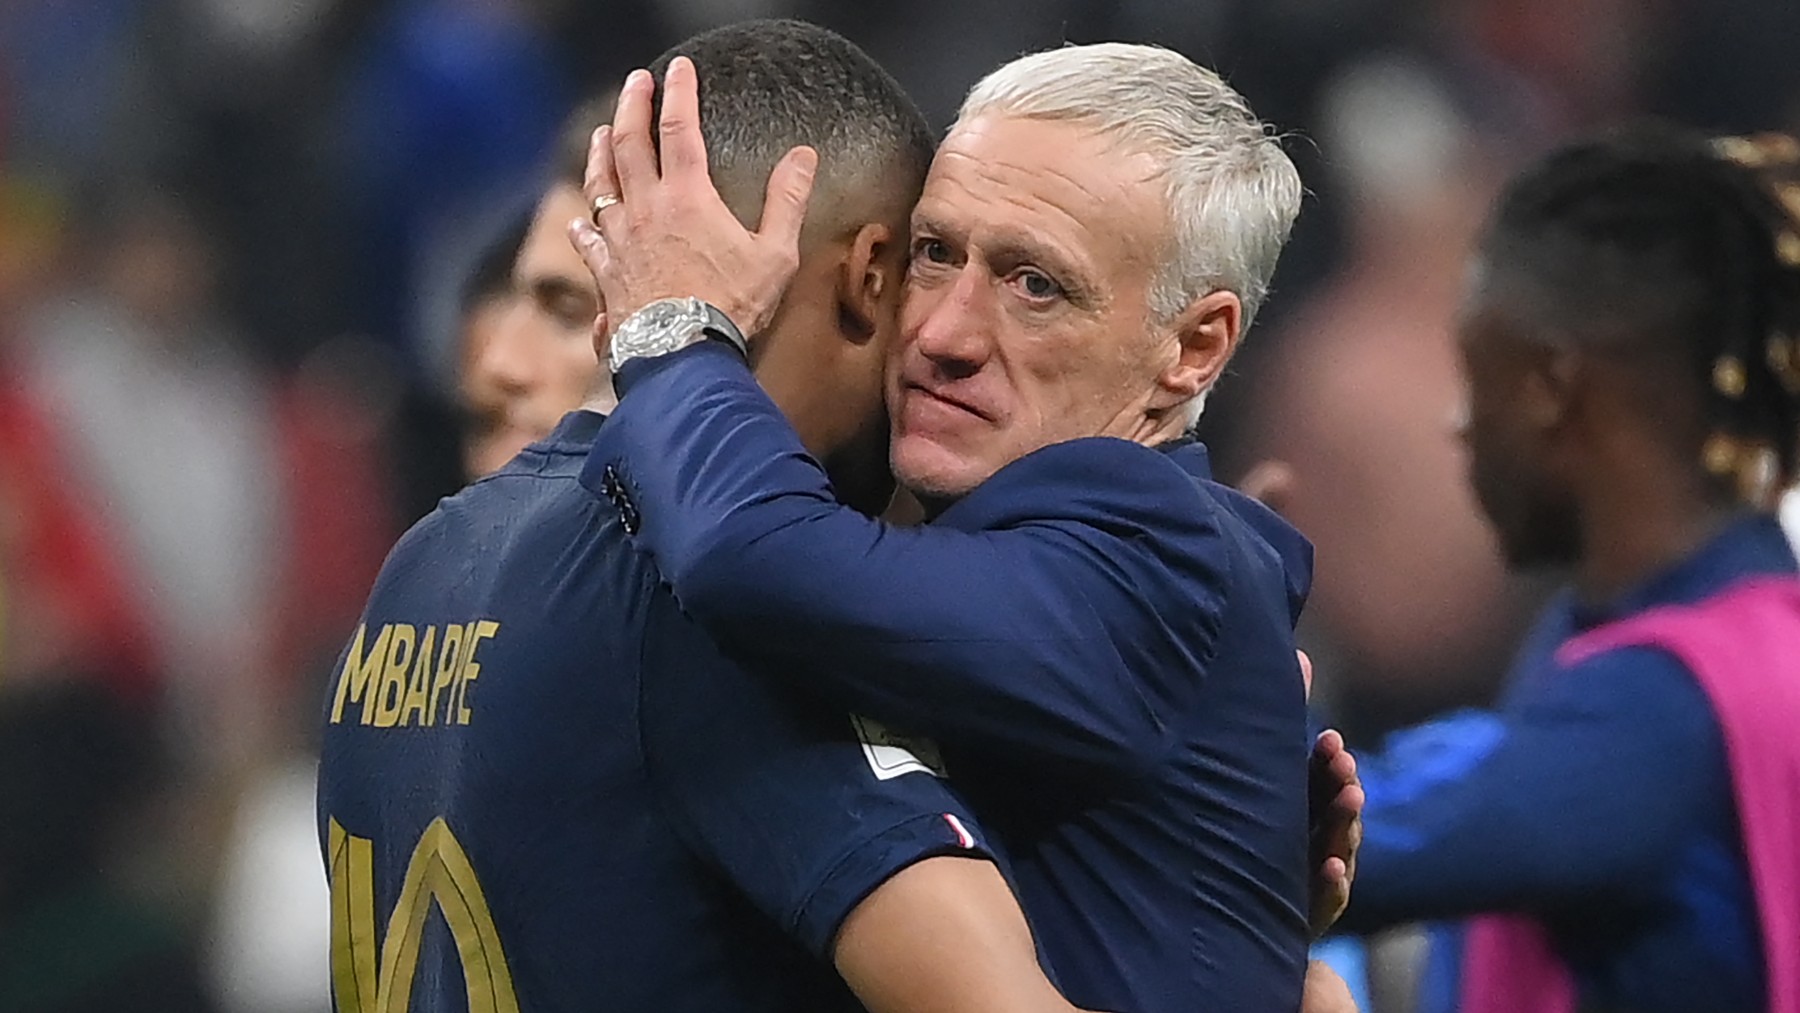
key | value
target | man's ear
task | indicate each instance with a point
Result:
(871, 276)
(1204, 337)
(1551, 387)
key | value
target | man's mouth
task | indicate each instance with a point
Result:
(949, 400)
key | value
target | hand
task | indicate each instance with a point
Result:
(1325, 991)
(670, 235)
(1335, 818)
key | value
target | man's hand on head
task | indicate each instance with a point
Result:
(660, 229)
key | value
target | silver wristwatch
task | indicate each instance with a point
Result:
(670, 325)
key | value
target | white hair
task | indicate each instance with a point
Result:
(1232, 193)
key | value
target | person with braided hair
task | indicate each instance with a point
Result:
(1623, 831)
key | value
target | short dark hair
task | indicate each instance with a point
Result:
(493, 271)
(769, 86)
(1655, 241)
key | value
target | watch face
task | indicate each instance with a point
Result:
(664, 326)
(669, 314)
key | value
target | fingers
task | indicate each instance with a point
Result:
(634, 155)
(1330, 741)
(1343, 838)
(1306, 672)
(683, 146)
(588, 242)
(600, 184)
(1339, 830)
(784, 206)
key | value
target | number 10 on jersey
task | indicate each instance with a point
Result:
(438, 872)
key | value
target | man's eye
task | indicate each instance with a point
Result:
(572, 311)
(1038, 285)
(934, 250)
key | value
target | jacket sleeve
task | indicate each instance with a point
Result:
(1588, 788)
(1009, 636)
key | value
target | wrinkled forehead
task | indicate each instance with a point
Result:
(1064, 179)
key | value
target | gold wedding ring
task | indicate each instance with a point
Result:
(601, 203)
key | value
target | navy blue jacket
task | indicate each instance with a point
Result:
(1100, 638)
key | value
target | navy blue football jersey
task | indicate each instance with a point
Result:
(543, 789)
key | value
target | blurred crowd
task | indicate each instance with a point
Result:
(236, 241)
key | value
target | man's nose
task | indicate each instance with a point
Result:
(956, 332)
(506, 362)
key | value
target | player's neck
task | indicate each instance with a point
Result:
(859, 473)
(1632, 534)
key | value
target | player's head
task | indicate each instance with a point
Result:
(535, 361)
(765, 88)
(1096, 232)
(484, 312)
(1635, 304)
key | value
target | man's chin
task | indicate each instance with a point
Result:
(933, 473)
(1539, 550)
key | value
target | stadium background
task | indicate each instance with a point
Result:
(231, 237)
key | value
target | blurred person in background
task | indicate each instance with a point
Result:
(525, 355)
(159, 427)
(1623, 827)
(234, 511)
(535, 362)
(1415, 606)
(78, 768)
(486, 302)
(65, 600)
(179, 522)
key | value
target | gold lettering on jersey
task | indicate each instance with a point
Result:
(478, 632)
(421, 676)
(412, 676)
(449, 662)
(438, 873)
(393, 677)
(360, 671)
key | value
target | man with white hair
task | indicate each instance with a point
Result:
(1098, 637)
